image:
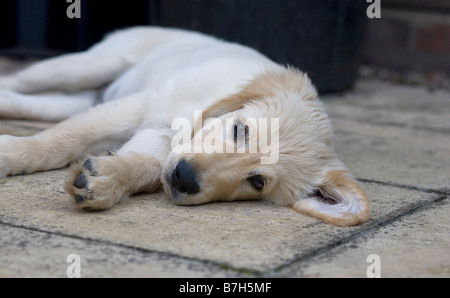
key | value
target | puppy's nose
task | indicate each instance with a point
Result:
(183, 178)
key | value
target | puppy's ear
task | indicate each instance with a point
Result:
(339, 201)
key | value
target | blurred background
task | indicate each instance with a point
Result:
(333, 40)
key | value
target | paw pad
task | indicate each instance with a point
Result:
(88, 165)
(81, 181)
(79, 199)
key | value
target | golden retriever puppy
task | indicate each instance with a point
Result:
(206, 119)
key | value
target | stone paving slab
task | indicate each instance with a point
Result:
(22, 128)
(390, 104)
(415, 245)
(29, 253)
(393, 133)
(398, 155)
(246, 236)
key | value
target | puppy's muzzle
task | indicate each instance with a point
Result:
(184, 180)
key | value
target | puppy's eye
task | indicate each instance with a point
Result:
(240, 131)
(257, 182)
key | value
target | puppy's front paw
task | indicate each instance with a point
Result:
(94, 184)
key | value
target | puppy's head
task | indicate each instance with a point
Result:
(272, 140)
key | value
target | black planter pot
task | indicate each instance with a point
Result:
(322, 38)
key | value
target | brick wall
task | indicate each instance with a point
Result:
(410, 35)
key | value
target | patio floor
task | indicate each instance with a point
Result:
(394, 138)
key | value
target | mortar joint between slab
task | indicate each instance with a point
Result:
(356, 235)
(222, 266)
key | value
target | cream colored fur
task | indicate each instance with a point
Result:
(146, 78)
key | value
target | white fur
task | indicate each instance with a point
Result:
(146, 77)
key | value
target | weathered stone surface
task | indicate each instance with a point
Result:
(394, 134)
(389, 104)
(416, 245)
(253, 236)
(395, 155)
(22, 128)
(31, 253)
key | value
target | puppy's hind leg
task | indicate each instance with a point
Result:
(49, 107)
(68, 73)
(90, 69)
